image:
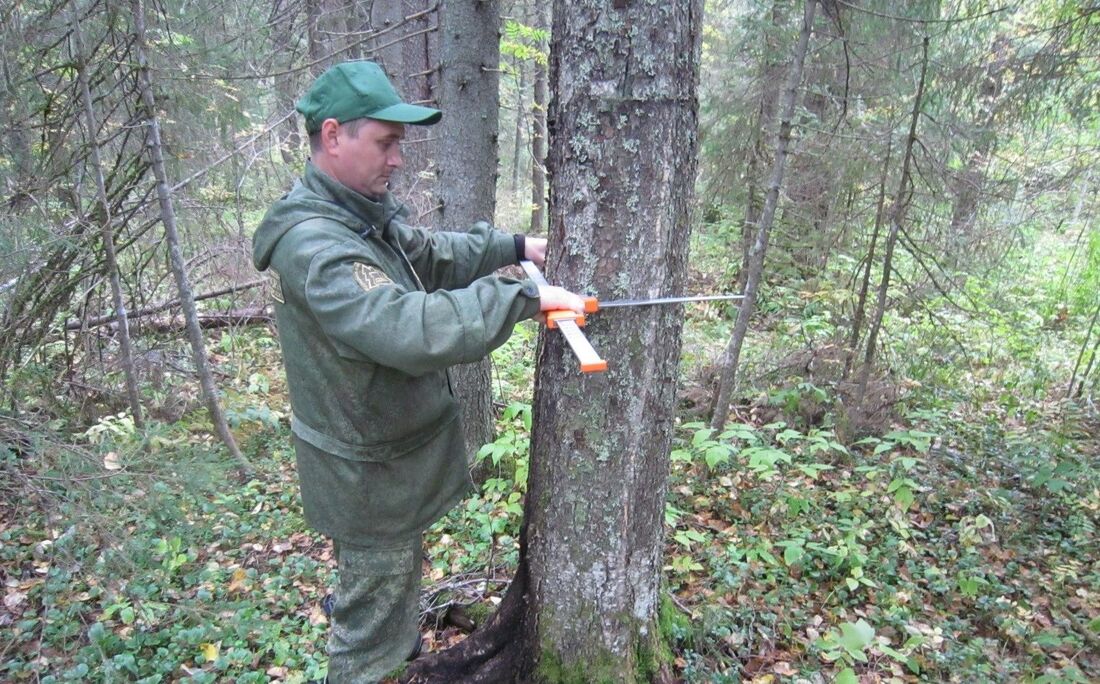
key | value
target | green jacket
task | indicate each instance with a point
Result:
(371, 313)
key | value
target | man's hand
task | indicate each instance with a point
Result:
(534, 249)
(553, 298)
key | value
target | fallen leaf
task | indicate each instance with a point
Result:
(281, 547)
(237, 582)
(317, 616)
(209, 651)
(112, 461)
(14, 599)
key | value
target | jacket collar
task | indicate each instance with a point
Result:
(373, 214)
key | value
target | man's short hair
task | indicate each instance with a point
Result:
(352, 127)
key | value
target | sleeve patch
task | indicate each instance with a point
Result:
(369, 277)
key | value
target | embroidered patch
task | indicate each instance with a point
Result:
(369, 277)
(276, 286)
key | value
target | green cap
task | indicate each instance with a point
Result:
(357, 90)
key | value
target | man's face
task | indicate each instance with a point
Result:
(366, 154)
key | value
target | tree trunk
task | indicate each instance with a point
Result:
(623, 80)
(538, 133)
(315, 42)
(771, 74)
(1081, 355)
(732, 355)
(583, 605)
(289, 135)
(470, 95)
(104, 217)
(521, 119)
(897, 216)
(470, 49)
(408, 50)
(171, 235)
(865, 280)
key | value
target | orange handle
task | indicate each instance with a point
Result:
(552, 318)
(591, 305)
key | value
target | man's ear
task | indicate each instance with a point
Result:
(329, 135)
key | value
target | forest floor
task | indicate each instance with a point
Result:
(955, 539)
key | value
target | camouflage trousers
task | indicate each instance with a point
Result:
(373, 625)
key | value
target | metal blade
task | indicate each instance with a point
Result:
(666, 300)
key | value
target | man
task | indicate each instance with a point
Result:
(371, 313)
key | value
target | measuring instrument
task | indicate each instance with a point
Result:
(570, 322)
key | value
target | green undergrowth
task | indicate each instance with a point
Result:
(159, 565)
(937, 552)
(956, 542)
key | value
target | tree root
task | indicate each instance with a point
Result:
(491, 655)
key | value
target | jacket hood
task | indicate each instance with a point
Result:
(317, 195)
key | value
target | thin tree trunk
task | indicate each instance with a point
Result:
(470, 49)
(168, 217)
(1081, 355)
(1088, 369)
(315, 46)
(289, 135)
(771, 74)
(732, 354)
(750, 224)
(897, 216)
(865, 283)
(126, 350)
(517, 138)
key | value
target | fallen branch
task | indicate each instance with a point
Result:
(149, 311)
(250, 316)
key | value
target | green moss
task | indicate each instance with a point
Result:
(479, 612)
(599, 670)
(672, 624)
(651, 653)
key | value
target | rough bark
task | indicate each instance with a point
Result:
(470, 50)
(757, 253)
(470, 93)
(103, 216)
(896, 217)
(171, 235)
(624, 80)
(583, 605)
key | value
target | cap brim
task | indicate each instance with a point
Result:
(408, 114)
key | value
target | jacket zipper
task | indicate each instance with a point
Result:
(412, 271)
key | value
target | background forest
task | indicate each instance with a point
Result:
(885, 464)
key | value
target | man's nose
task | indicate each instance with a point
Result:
(395, 159)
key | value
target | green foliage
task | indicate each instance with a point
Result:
(524, 43)
(894, 555)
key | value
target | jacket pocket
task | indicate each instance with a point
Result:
(378, 452)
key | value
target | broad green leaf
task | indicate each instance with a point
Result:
(846, 676)
(855, 636)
